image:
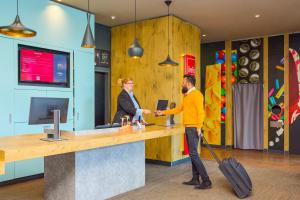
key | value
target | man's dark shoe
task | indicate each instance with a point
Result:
(204, 185)
(194, 181)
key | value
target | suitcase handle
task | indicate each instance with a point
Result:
(211, 150)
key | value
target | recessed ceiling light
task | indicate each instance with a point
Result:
(59, 0)
(203, 35)
(113, 17)
(257, 16)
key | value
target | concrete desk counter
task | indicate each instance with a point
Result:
(91, 164)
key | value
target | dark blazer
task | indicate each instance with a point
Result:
(125, 106)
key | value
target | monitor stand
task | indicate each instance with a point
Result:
(54, 134)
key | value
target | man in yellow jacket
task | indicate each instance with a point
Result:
(193, 117)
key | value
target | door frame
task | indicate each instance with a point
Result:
(107, 100)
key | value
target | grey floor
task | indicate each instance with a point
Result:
(166, 183)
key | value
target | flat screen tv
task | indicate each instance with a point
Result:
(39, 66)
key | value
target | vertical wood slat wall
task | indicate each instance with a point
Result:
(228, 121)
(266, 92)
(153, 82)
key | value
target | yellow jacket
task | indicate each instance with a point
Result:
(193, 110)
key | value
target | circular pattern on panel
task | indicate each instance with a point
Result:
(243, 61)
(254, 54)
(254, 78)
(243, 72)
(243, 81)
(244, 48)
(255, 42)
(249, 60)
(254, 66)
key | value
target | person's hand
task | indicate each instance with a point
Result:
(159, 113)
(144, 122)
(146, 111)
(199, 132)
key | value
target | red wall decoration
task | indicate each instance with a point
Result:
(189, 65)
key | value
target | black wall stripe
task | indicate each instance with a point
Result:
(276, 53)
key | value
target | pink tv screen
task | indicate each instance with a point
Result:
(43, 66)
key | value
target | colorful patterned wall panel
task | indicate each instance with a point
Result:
(208, 57)
(212, 123)
(250, 60)
(294, 93)
(276, 70)
(276, 93)
(221, 59)
(215, 96)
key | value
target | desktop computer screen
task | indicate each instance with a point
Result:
(41, 110)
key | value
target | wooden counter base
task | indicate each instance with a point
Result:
(28, 146)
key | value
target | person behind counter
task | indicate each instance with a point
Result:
(193, 117)
(128, 104)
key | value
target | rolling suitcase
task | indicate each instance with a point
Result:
(234, 172)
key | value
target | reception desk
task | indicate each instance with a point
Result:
(91, 164)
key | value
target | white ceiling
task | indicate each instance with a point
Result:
(218, 19)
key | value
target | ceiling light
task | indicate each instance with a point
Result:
(113, 17)
(257, 16)
(88, 39)
(17, 29)
(203, 35)
(168, 61)
(135, 50)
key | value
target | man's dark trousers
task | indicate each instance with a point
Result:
(197, 165)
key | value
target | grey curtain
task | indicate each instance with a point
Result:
(248, 116)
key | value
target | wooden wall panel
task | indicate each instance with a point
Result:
(266, 92)
(229, 132)
(153, 82)
(186, 40)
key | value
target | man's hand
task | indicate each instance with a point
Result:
(158, 113)
(146, 111)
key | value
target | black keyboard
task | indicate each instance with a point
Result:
(115, 125)
(108, 126)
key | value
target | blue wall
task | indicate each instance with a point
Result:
(60, 28)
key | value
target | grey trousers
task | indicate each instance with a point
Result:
(197, 165)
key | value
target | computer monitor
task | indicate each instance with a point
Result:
(41, 110)
(162, 104)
